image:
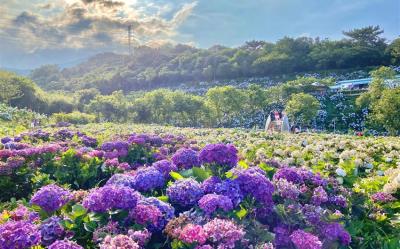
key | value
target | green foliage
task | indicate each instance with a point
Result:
(302, 108)
(74, 117)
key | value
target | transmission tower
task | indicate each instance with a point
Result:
(129, 38)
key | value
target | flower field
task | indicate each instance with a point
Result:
(114, 186)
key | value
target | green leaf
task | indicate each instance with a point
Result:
(163, 198)
(175, 175)
(241, 213)
(78, 210)
(243, 164)
(90, 226)
(200, 173)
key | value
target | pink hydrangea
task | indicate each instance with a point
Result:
(193, 234)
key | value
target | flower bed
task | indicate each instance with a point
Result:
(102, 187)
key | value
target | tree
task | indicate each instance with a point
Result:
(46, 76)
(227, 102)
(9, 88)
(367, 36)
(386, 111)
(394, 51)
(302, 108)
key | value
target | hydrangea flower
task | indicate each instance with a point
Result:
(65, 244)
(304, 240)
(167, 211)
(148, 178)
(211, 202)
(119, 241)
(336, 232)
(18, 235)
(288, 173)
(382, 197)
(185, 192)
(141, 237)
(319, 196)
(192, 233)
(23, 213)
(219, 154)
(121, 180)
(287, 189)
(145, 214)
(111, 197)
(185, 158)
(224, 233)
(255, 184)
(51, 197)
(165, 167)
(51, 230)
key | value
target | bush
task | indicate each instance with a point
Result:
(74, 117)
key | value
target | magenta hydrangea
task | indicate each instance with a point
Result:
(305, 240)
(111, 197)
(65, 244)
(51, 197)
(185, 158)
(219, 154)
(18, 235)
(148, 178)
(211, 202)
(192, 233)
(185, 192)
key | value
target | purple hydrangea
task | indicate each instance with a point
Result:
(185, 192)
(336, 232)
(111, 197)
(185, 158)
(287, 189)
(224, 233)
(65, 244)
(282, 234)
(167, 211)
(226, 187)
(288, 173)
(165, 167)
(211, 202)
(319, 196)
(23, 213)
(119, 241)
(382, 197)
(219, 154)
(89, 141)
(255, 184)
(304, 240)
(338, 200)
(51, 230)
(5, 140)
(145, 214)
(51, 197)
(148, 178)
(18, 235)
(141, 237)
(121, 180)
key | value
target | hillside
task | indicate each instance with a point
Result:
(174, 66)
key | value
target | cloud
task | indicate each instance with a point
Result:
(90, 23)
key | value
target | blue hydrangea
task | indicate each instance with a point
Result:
(148, 178)
(185, 192)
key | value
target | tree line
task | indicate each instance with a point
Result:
(150, 68)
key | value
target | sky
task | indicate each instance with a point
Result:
(66, 32)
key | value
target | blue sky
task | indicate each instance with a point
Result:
(35, 32)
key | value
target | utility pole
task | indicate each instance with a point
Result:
(129, 38)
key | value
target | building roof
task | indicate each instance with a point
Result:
(349, 83)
